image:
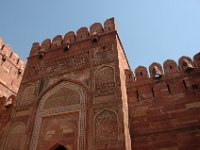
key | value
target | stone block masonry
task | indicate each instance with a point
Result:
(11, 72)
(79, 93)
(164, 110)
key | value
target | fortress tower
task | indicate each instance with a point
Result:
(73, 94)
(79, 93)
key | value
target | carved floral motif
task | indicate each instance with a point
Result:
(106, 126)
(104, 78)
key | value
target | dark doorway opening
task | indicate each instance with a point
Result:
(60, 148)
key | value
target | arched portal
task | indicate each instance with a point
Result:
(60, 117)
(60, 147)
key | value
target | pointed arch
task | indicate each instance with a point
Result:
(58, 146)
(42, 112)
(60, 81)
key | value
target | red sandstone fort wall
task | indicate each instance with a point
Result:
(78, 91)
(11, 72)
(164, 108)
(85, 69)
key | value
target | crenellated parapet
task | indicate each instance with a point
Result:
(6, 53)
(92, 33)
(169, 69)
(73, 51)
(163, 103)
(161, 81)
(82, 72)
(11, 70)
(74, 87)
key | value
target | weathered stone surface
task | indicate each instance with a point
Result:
(11, 72)
(78, 93)
(164, 111)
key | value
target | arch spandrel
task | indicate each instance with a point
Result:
(27, 96)
(62, 97)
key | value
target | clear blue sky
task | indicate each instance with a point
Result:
(150, 30)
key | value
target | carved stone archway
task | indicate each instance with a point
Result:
(43, 112)
(58, 147)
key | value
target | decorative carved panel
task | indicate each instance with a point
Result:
(61, 109)
(52, 67)
(106, 126)
(63, 97)
(104, 78)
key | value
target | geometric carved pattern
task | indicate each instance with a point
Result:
(105, 78)
(60, 65)
(16, 137)
(106, 126)
(27, 96)
(43, 112)
(63, 97)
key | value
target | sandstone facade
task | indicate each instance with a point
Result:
(11, 71)
(164, 109)
(78, 93)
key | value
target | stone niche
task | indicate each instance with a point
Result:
(106, 127)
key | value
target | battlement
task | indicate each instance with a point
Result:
(163, 82)
(170, 69)
(71, 37)
(6, 53)
(163, 100)
(11, 70)
(73, 51)
(78, 83)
